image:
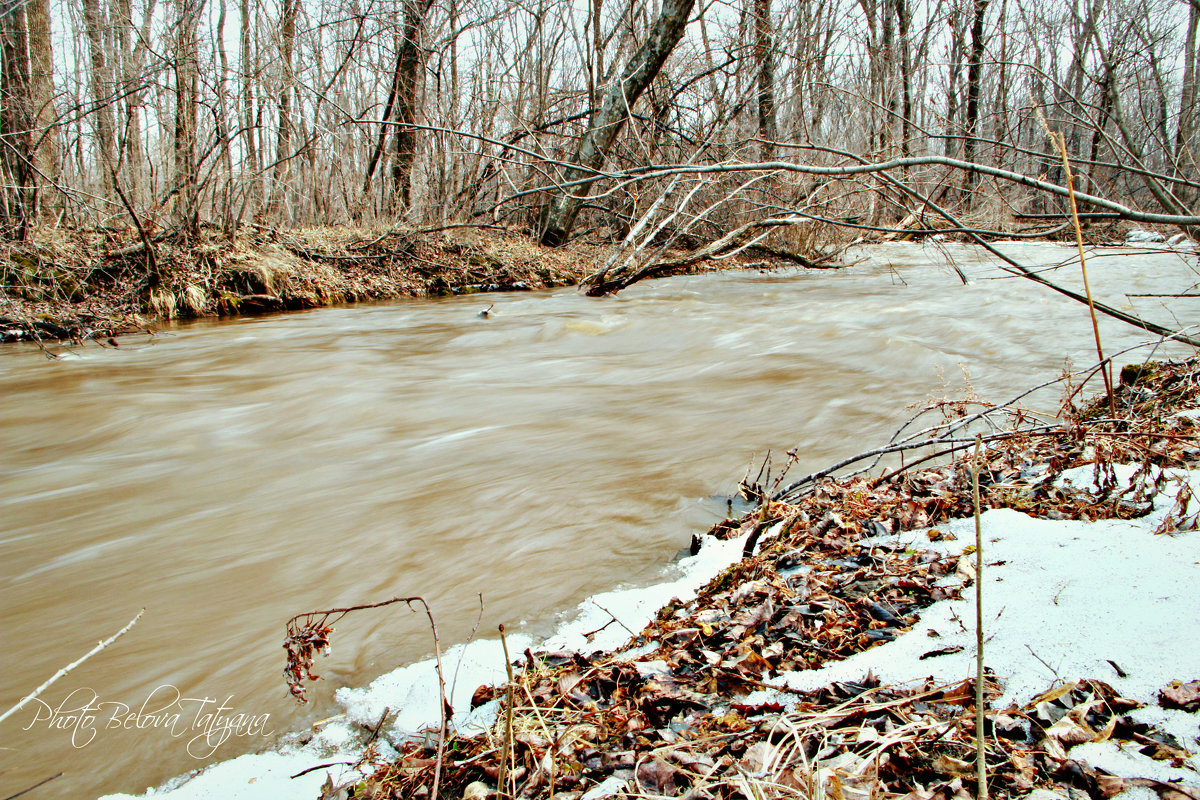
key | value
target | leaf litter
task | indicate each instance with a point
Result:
(833, 661)
(699, 704)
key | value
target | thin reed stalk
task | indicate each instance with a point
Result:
(980, 743)
(506, 751)
(1060, 143)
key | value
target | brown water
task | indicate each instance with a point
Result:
(226, 476)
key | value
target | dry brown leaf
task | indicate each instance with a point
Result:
(1185, 696)
(1071, 731)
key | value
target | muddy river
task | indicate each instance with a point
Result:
(227, 475)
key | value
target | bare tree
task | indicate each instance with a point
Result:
(608, 119)
(1185, 129)
(102, 86)
(186, 68)
(287, 87)
(28, 123)
(410, 60)
(974, 79)
(764, 57)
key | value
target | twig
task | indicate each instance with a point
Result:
(445, 704)
(378, 726)
(900, 448)
(42, 782)
(65, 670)
(151, 256)
(1061, 143)
(506, 753)
(1052, 670)
(323, 766)
(303, 641)
(614, 618)
(470, 638)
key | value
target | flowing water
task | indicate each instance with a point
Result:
(227, 475)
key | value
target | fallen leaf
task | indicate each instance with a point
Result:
(658, 777)
(1185, 696)
(941, 651)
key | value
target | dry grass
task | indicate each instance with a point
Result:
(84, 284)
(72, 284)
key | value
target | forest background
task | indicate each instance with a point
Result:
(702, 117)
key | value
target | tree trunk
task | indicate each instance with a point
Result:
(373, 161)
(764, 57)
(957, 48)
(187, 75)
(16, 123)
(229, 218)
(1105, 110)
(974, 77)
(249, 118)
(102, 86)
(607, 121)
(886, 72)
(29, 122)
(133, 46)
(283, 137)
(409, 62)
(595, 53)
(872, 113)
(45, 119)
(906, 109)
(1186, 126)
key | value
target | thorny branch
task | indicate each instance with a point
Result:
(937, 436)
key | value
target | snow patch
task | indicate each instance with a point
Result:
(1062, 600)
(1158, 241)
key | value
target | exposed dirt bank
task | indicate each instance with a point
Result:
(80, 285)
(97, 284)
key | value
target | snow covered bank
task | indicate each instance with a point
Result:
(1063, 600)
(848, 632)
(603, 622)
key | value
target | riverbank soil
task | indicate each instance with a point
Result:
(701, 705)
(80, 285)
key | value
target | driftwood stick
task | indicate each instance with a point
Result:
(42, 782)
(67, 669)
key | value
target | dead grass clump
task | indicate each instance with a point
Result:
(78, 282)
(162, 303)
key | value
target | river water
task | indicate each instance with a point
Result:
(227, 475)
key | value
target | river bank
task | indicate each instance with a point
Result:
(835, 658)
(834, 655)
(95, 284)
(76, 285)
